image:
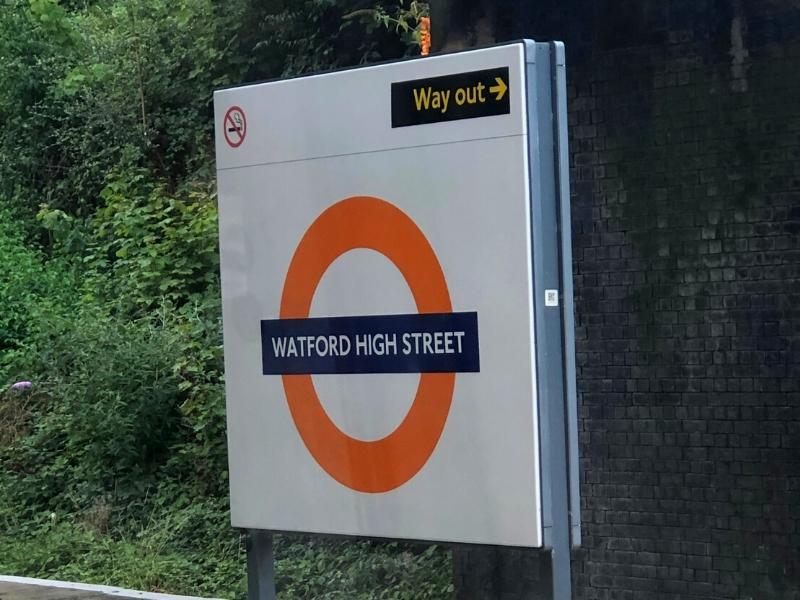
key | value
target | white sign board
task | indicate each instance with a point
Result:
(377, 301)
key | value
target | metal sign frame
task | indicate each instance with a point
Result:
(552, 270)
(545, 83)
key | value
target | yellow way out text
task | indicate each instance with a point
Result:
(428, 98)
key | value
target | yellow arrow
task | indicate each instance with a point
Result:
(499, 89)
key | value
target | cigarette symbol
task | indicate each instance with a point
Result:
(237, 121)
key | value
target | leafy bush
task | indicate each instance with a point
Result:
(201, 457)
(30, 288)
(113, 86)
(36, 41)
(146, 247)
(112, 412)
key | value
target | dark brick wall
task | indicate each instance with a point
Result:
(685, 143)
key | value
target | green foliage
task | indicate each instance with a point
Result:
(338, 570)
(29, 288)
(201, 456)
(147, 557)
(110, 86)
(156, 557)
(404, 22)
(111, 413)
(140, 90)
(145, 247)
(35, 42)
(51, 18)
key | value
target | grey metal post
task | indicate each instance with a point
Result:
(260, 565)
(558, 74)
(547, 165)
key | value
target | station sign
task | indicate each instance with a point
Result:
(380, 231)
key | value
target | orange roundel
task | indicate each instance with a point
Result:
(384, 464)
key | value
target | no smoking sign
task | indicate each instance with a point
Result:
(234, 127)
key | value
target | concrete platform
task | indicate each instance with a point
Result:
(25, 588)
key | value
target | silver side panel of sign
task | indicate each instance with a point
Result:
(552, 268)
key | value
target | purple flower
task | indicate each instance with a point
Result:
(21, 385)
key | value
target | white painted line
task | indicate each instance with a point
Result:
(104, 589)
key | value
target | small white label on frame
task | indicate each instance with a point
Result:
(551, 297)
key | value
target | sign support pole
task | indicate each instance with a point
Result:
(260, 565)
(545, 65)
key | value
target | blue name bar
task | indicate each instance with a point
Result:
(412, 343)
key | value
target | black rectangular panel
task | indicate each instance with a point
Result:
(410, 343)
(452, 97)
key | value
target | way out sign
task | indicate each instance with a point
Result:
(387, 235)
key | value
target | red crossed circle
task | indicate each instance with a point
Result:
(233, 129)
